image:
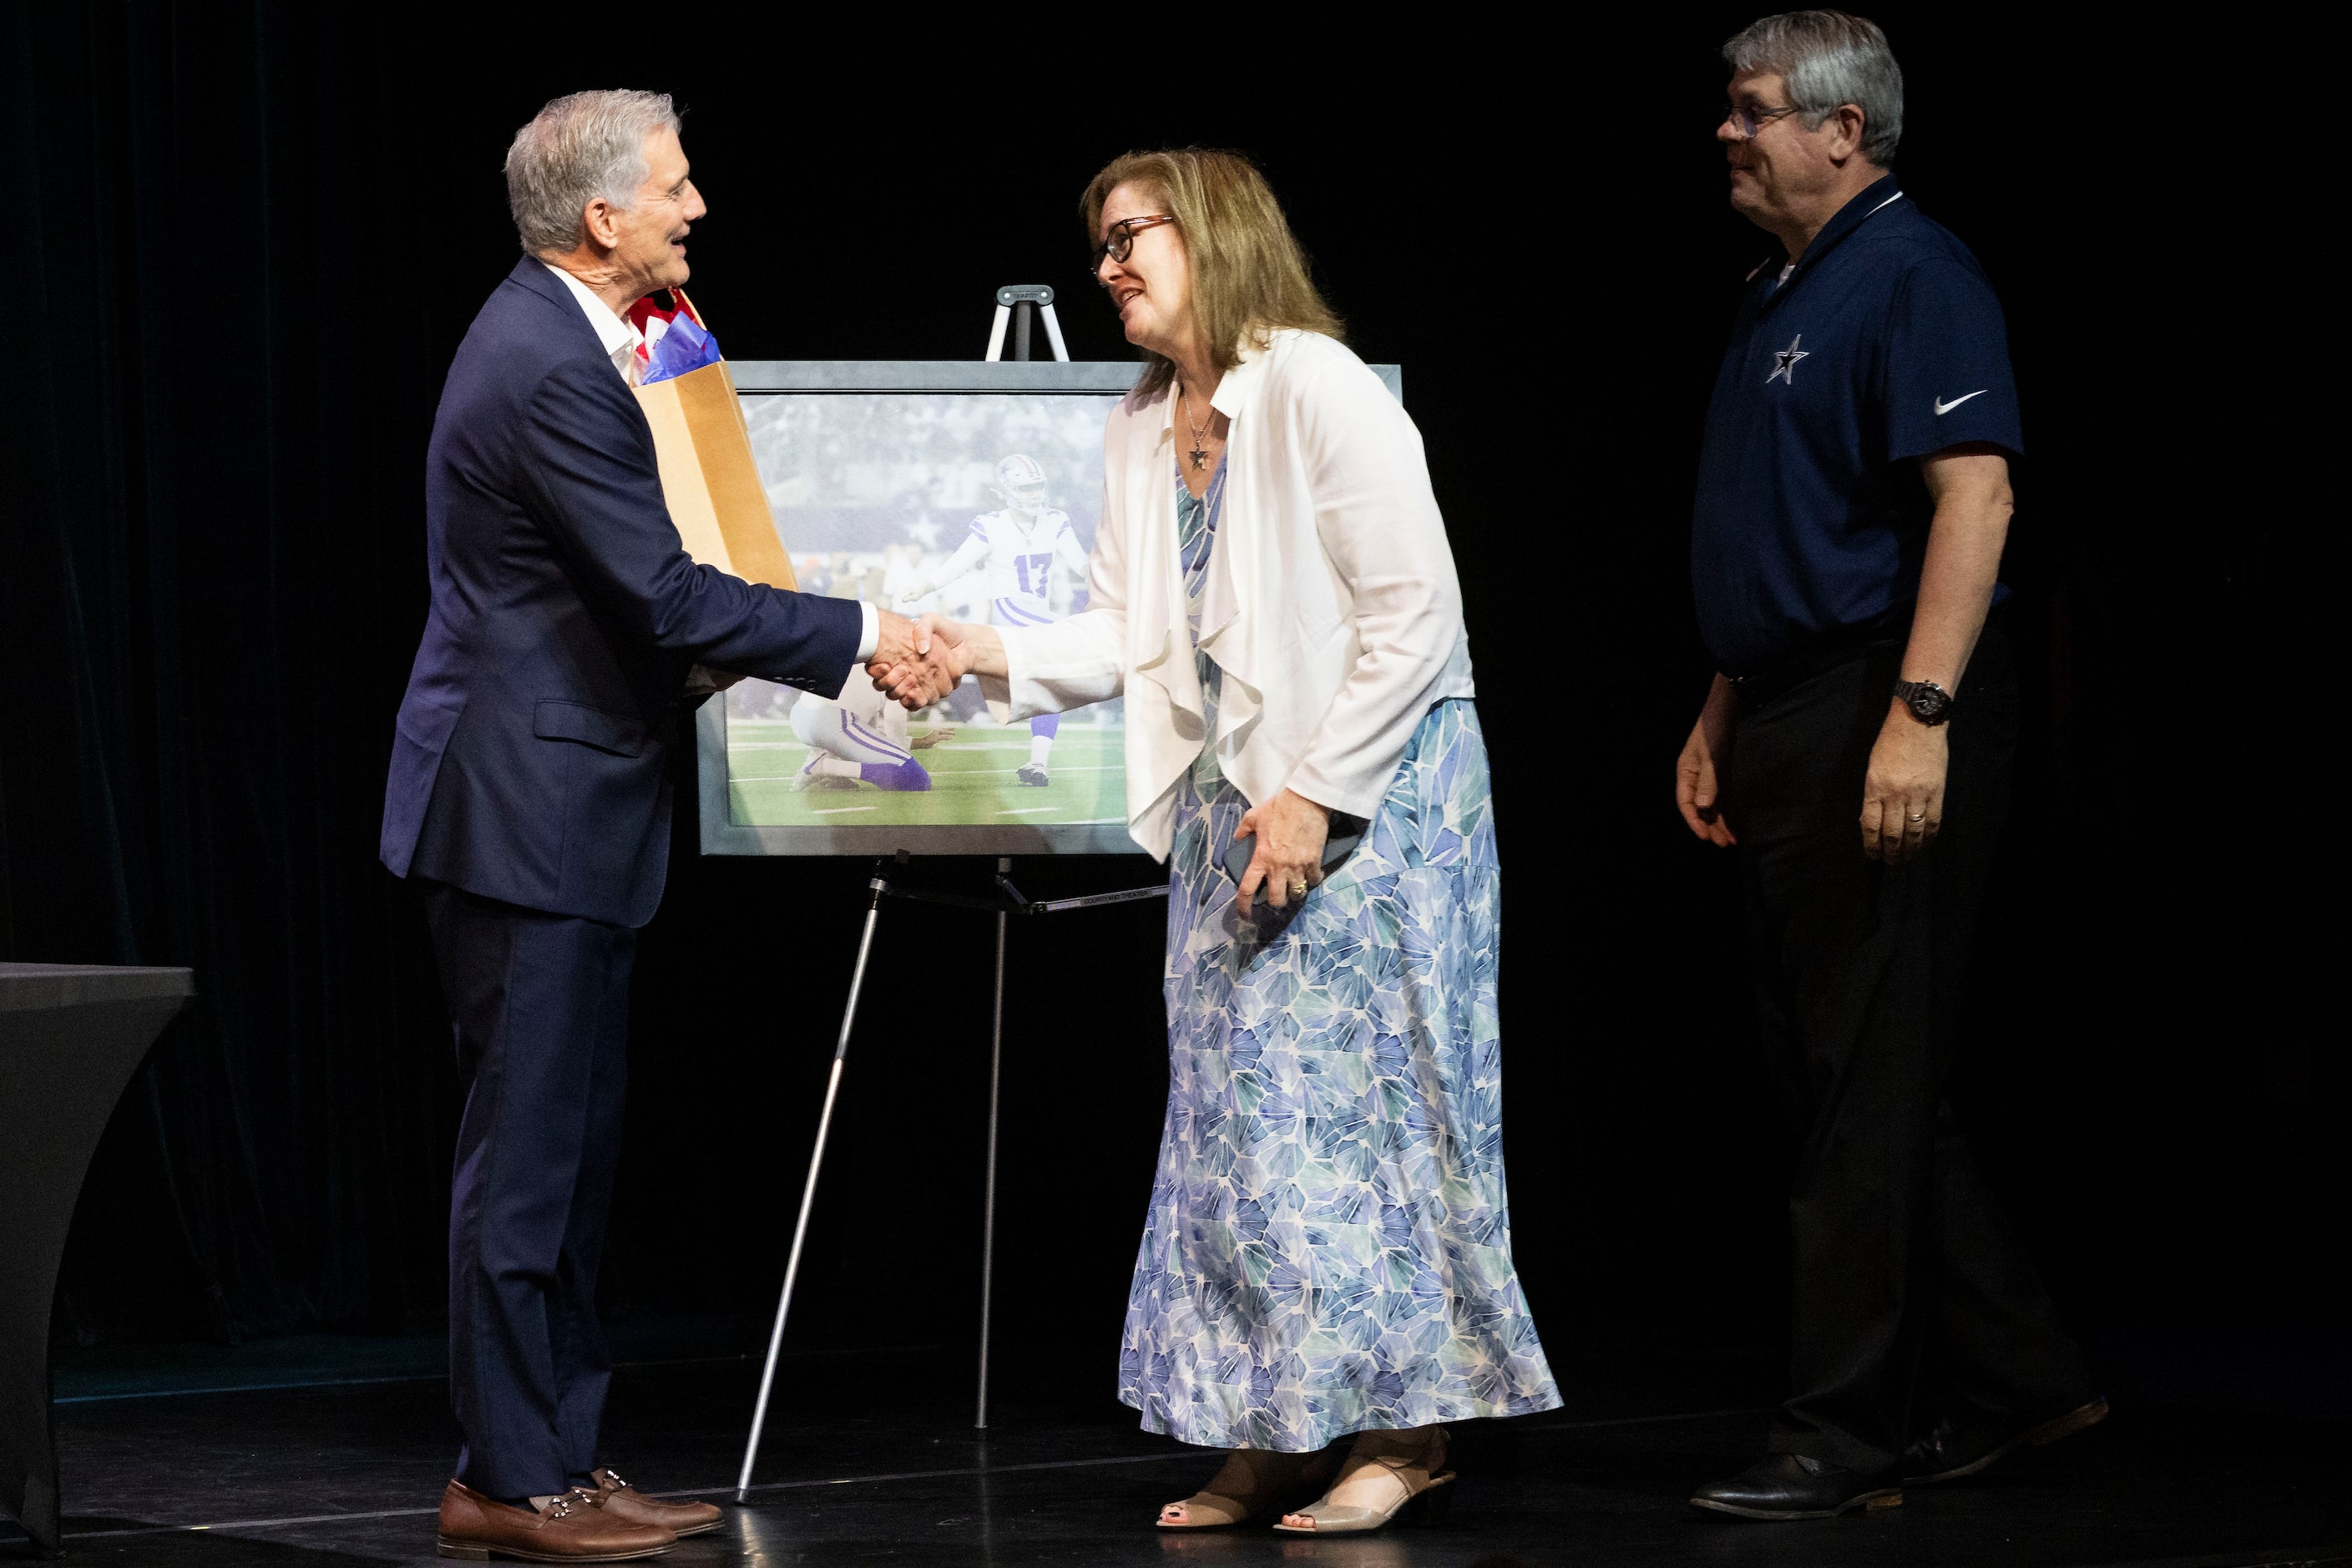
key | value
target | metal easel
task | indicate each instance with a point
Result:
(1011, 902)
(1015, 302)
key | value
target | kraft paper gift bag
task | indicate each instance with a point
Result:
(704, 448)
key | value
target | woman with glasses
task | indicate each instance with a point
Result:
(1326, 1252)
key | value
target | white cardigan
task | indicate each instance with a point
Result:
(1331, 606)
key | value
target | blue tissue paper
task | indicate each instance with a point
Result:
(684, 347)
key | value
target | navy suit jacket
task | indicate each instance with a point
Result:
(531, 757)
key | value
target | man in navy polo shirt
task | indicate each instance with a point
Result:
(1852, 501)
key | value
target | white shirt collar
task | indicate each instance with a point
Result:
(1233, 388)
(619, 337)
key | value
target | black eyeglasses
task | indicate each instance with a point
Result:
(1119, 243)
(1748, 121)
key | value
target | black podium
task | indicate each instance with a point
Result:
(70, 1037)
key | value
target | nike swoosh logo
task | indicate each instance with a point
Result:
(1943, 407)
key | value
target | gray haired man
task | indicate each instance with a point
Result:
(530, 798)
(1853, 502)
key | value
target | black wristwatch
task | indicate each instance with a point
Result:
(1929, 703)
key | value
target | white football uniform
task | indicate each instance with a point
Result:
(1021, 558)
(863, 725)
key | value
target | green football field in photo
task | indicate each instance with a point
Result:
(972, 780)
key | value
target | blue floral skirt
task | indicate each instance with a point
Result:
(1329, 1245)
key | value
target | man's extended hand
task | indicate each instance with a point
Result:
(1903, 793)
(900, 641)
(1698, 788)
(942, 654)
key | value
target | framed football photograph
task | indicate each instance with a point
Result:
(972, 489)
(968, 488)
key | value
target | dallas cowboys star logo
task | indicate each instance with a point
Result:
(1786, 370)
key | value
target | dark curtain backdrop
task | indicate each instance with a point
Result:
(213, 434)
(250, 237)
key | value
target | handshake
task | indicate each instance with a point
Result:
(916, 663)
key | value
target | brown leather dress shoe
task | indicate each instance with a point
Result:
(569, 1529)
(622, 1501)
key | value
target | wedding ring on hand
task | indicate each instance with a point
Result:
(1920, 817)
(1297, 890)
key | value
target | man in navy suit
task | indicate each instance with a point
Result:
(530, 795)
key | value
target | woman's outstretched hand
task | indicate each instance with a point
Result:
(1290, 830)
(920, 681)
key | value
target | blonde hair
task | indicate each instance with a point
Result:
(1249, 275)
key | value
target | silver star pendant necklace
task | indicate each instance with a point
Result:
(1199, 453)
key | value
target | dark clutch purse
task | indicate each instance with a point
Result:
(1346, 832)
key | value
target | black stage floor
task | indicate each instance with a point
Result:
(320, 1453)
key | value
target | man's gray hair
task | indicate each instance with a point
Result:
(577, 148)
(1829, 58)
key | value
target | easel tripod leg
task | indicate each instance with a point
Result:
(808, 1195)
(988, 1223)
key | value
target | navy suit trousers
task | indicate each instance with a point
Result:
(540, 1006)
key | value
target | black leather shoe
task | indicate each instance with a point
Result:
(1790, 1486)
(1950, 1450)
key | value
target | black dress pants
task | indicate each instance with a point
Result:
(540, 1005)
(1859, 970)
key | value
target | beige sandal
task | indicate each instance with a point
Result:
(1253, 1483)
(1424, 1493)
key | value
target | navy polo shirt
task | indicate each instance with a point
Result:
(1885, 345)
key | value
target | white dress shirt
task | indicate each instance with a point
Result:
(1332, 606)
(619, 337)
(620, 340)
